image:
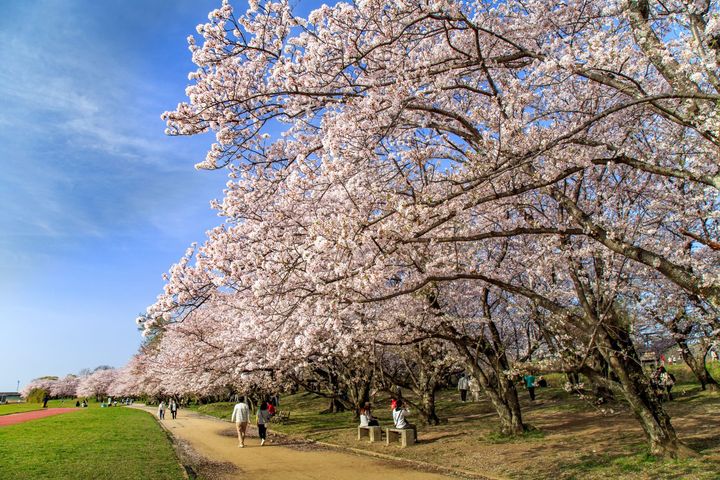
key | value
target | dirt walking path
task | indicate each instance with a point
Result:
(216, 440)
(13, 418)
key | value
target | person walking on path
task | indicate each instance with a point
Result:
(161, 410)
(173, 409)
(263, 418)
(241, 417)
(530, 385)
(463, 385)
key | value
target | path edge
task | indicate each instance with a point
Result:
(456, 472)
(186, 469)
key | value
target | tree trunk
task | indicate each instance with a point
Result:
(427, 407)
(596, 373)
(620, 353)
(698, 368)
(503, 397)
(358, 389)
(334, 406)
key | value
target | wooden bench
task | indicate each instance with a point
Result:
(374, 433)
(407, 436)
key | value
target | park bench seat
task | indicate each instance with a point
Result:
(374, 433)
(406, 436)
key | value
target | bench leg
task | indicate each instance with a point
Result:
(407, 438)
(389, 436)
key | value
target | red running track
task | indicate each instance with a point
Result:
(14, 418)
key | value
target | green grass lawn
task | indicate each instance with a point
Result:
(28, 407)
(93, 443)
(9, 408)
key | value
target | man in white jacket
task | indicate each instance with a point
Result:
(241, 417)
(463, 385)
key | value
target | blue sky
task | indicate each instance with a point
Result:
(95, 201)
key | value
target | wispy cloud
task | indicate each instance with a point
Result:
(81, 146)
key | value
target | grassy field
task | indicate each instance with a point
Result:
(92, 443)
(571, 439)
(28, 407)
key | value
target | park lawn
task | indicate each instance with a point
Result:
(571, 439)
(222, 410)
(116, 442)
(9, 408)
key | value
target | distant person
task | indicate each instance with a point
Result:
(263, 418)
(271, 409)
(77, 404)
(241, 417)
(542, 383)
(664, 382)
(463, 385)
(366, 418)
(45, 400)
(372, 421)
(84, 403)
(161, 410)
(669, 381)
(173, 409)
(530, 385)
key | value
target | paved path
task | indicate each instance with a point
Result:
(13, 418)
(212, 439)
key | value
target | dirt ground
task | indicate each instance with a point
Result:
(14, 418)
(210, 446)
(571, 440)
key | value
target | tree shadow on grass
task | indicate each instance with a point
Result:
(703, 443)
(425, 440)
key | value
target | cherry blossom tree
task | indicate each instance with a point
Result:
(435, 152)
(97, 384)
(65, 387)
(45, 384)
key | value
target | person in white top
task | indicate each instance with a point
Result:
(161, 410)
(366, 418)
(399, 414)
(463, 385)
(241, 417)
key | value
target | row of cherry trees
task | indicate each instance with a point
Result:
(99, 383)
(421, 185)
